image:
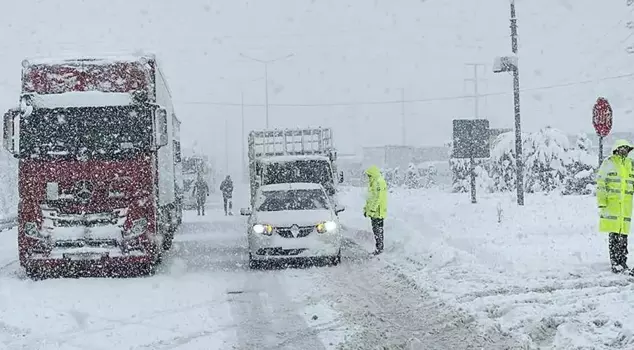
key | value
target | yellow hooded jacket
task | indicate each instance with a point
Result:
(376, 204)
(615, 187)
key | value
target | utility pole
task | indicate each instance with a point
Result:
(403, 121)
(266, 78)
(226, 146)
(516, 99)
(476, 92)
(242, 136)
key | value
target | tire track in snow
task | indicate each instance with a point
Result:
(268, 318)
(394, 313)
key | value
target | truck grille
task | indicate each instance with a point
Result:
(303, 231)
(92, 243)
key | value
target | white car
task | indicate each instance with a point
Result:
(293, 220)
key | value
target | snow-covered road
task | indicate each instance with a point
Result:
(205, 297)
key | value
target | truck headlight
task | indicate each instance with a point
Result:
(138, 228)
(328, 226)
(263, 229)
(31, 230)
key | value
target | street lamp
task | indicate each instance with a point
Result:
(510, 64)
(266, 78)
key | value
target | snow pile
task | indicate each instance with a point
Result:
(540, 272)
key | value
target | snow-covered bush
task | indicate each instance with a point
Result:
(581, 168)
(412, 177)
(428, 173)
(503, 163)
(546, 157)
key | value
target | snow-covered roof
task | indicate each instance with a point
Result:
(82, 99)
(292, 186)
(280, 159)
(96, 59)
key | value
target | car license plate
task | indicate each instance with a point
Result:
(83, 256)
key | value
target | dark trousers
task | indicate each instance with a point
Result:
(377, 229)
(618, 250)
(227, 203)
(200, 205)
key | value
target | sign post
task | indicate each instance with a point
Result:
(471, 141)
(602, 122)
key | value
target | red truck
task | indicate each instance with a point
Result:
(100, 177)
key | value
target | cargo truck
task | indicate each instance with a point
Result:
(98, 145)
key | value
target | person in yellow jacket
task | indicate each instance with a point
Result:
(615, 187)
(376, 204)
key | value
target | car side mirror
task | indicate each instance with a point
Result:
(10, 140)
(162, 135)
(245, 211)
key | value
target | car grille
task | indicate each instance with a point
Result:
(93, 243)
(303, 231)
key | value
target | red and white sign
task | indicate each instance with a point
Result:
(602, 117)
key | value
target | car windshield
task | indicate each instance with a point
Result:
(86, 132)
(305, 170)
(293, 200)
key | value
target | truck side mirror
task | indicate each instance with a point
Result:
(341, 177)
(161, 128)
(9, 139)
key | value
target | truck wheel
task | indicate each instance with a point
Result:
(253, 264)
(335, 260)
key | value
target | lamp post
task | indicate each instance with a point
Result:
(266, 78)
(510, 64)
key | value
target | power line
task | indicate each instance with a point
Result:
(401, 101)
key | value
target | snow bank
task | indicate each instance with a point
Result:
(540, 272)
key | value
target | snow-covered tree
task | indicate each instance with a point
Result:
(581, 168)
(546, 157)
(428, 174)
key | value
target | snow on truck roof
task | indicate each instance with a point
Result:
(82, 99)
(280, 159)
(291, 186)
(96, 59)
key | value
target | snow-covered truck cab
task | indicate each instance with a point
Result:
(293, 156)
(99, 161)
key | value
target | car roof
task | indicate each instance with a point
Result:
(292, 186)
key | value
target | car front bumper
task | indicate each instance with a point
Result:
(264, 247)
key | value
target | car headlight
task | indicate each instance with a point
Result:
(263, 229)
(328, 226)
(138, 228)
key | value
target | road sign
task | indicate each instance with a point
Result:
(471, 138)
(602, 117)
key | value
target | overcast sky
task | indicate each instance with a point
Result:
(352, 61)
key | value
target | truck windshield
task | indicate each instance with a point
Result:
(86, 132)
(305, 170)
(293, 200)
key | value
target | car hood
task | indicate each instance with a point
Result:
(287, 218)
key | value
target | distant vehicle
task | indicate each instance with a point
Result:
(194, 166)
(292, 156)
(293, 220)
(98, 145)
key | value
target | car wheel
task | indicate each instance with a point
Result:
(336, 259)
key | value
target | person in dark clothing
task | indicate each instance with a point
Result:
(201, 192)
(226, 187)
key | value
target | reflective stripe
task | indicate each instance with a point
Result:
(611, 217)
(613, 190)
(613, 180)
(629, 192)
(613, 174)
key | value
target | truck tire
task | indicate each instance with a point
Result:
(335, 260)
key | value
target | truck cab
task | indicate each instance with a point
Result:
(293, 156)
